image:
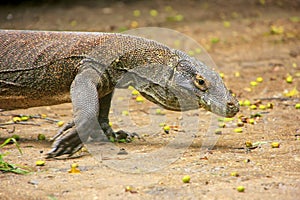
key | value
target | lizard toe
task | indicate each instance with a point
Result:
(67, 142)
(119, 135)
(65, 128)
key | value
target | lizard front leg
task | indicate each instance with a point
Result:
(90, 117)
(85, 102)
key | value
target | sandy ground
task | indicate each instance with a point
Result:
(245, 40)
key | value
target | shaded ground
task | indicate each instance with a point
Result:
(260, 38)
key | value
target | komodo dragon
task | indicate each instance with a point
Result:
(45, 68)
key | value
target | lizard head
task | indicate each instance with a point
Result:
(179, 83)
(204, 85)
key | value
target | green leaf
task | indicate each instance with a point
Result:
(8, 140)
(122, 141)
(112, 139)
(7, 167)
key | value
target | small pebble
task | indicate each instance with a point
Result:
(222, 75)
(41, 136)
(9, 16)
(253, 107)
(289, 79)
(186, 179)
(234, 174)
(16, 119)
(241, 103)
(40, 163)
(24, 118)
(248, 144)
(247, 103)
(240, 188)
(74, 169)
(237, 74)
(259, 79)
(251, 121)
(238, 130)
(253, 83)
(135, 92)
(74, 165)
(33, 182)
(153, 13)
(136, 13)
(262, 107)
(139, 99)
(218, 132)
(270, 105)
(275, 144)
(239, 123)
(130, 189)
(222, 125)
(167, 129)
(60, 123)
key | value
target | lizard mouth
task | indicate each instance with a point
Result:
(224, 109)
(173, 104)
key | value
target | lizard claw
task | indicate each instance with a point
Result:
(66, 141)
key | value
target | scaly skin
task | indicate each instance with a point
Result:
(38, 68)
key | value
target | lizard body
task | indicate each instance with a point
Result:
(41, 64)
(39, 68)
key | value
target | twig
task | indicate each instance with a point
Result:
(7, 123)
(277, 99)
(22, 123)
(30, 116)
(45, 118)
(12, 131)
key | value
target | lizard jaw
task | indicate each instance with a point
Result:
(228, 109)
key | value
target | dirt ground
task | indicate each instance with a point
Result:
(246, 39)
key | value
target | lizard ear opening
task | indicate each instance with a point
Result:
(200, 83)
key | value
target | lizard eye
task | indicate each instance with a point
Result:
(200, 83)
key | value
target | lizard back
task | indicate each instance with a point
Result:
(38, 67)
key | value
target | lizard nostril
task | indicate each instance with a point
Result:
(230, 105)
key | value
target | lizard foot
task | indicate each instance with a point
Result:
(118, 135)
(123, 135)
(67, 140)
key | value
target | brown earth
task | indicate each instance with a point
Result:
(254, 38)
